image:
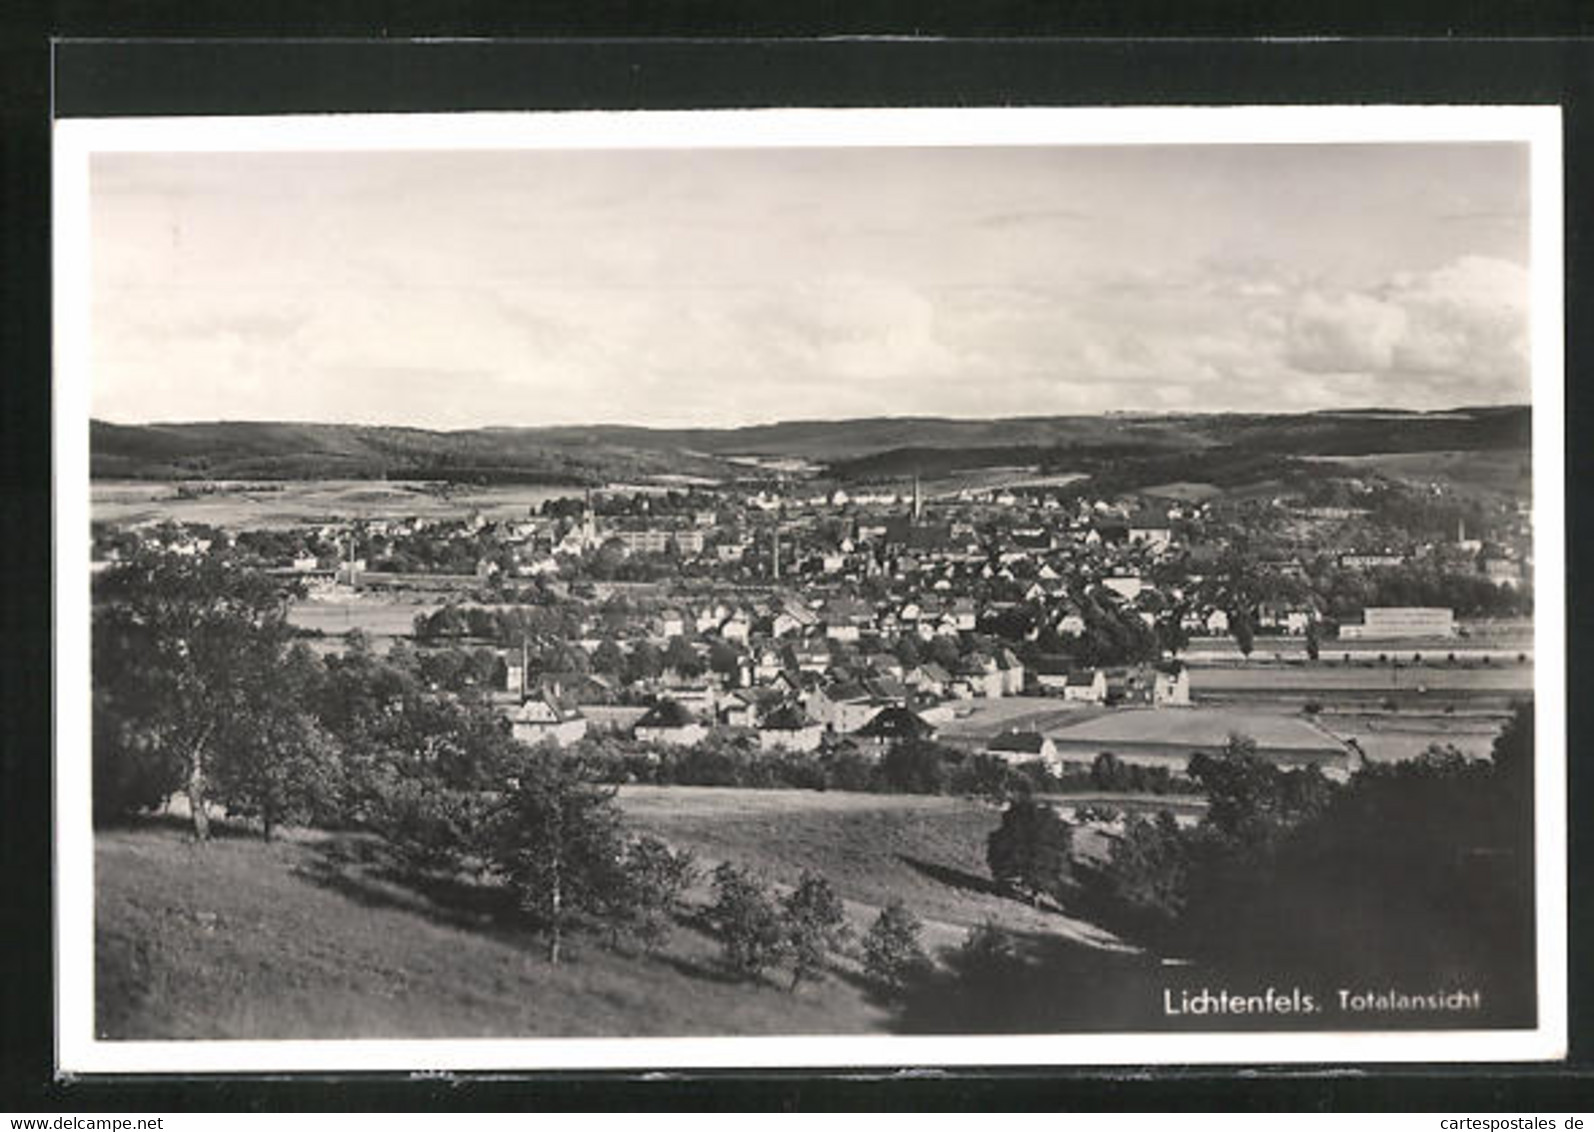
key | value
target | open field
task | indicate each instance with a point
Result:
(1500, 470)
(380, 617)
(1392, 737)
(976, 721)
(1483, 678)
(927, 851)
(1325, 680)
(1207, 728)
(290, 503)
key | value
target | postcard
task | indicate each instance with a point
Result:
(810, 588)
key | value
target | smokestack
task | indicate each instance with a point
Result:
(918, 504)
(777, 554)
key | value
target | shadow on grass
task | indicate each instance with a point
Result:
(367, 873)
(221, 829)
(1036, 983)
(953, 878)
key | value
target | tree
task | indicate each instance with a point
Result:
(643, 663)
(816, 925)
(1029, 852)
(277, 762)
(944, 651)
(1249, 800)
(915, 766)
(1313, 646)
(1244, 634)
(646, 893)
(893, 954)
(1172, 636)
(608, 658)
(556, 838)
(1107, 772)
(724, 659)
(681, 656)
(747, 920)
(177, 641)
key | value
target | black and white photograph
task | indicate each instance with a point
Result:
(766, 588)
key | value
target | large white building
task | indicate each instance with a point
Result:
(1392, 622)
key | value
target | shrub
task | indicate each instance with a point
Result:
(647, 893)
(816, 925)
(893, 954)
(749, 925)
(1312, 707)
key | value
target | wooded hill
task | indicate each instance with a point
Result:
(850, 449)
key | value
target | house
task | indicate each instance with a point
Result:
(1051, 672)
(1151, 529)
(843, 707)
(1126, 586)
(1171, 686)
(543, 718)
(812, 657)
(1022, 747)
(784, 624)
(767, 665)
(1271, 615)
(672, 623)
(735, 628)
(789, 728)
(747, 707)
(894, 724)
(1086, 685)
(930, 679)
(982, 675)
(697, 696)
(1503, 572)
(669, 723)
(1217, 621)
(845, 618)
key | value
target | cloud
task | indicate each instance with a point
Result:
(1348, 333)
(1466, 321)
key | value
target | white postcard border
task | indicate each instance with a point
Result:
(79, 1050)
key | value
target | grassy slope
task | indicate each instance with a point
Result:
(237, 940)
(294, 939)
(927, 851)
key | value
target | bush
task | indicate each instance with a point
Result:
(748, 923)
(893, 954)
(816, 925)
(1312, 707)
(647, 894)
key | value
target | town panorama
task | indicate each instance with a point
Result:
(1139, 721)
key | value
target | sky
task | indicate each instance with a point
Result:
(719, 287)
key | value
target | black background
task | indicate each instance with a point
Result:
(233, 59)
